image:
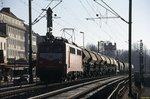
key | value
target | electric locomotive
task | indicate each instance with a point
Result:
(58, 60)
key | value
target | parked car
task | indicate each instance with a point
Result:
(22, 79)
(25, 78)
(7, 78)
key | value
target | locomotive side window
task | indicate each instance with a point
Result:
(72, 50)
(78, 52)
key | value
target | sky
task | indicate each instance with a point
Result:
(74, 13)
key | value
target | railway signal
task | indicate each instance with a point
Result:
(49, 19)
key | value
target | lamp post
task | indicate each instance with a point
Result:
(83, 38)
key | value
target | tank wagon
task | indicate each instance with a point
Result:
(59, 60)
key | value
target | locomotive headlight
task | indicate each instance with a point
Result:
(40, 62)
(60, 62)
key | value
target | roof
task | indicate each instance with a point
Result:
(7, 12)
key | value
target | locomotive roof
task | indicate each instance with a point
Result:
(63, 40)
(57, 40)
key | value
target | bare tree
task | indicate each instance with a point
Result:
(91, 47)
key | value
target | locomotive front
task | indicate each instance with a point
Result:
(51, 61)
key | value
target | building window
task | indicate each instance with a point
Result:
(4, 46)
(1, 45)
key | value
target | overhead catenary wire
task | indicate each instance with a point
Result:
(106, 8)
(111, 11)
(40, 17)
(87, 11)
(114, 12)
(90, 31)
(94, 20)
(90, 6)
(85, 8)
(23, 2)
(78, 20)
(85, 25)
(98, 25)
(89, 14)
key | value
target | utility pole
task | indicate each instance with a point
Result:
(30, 44)
(141, 61)
(130, 48)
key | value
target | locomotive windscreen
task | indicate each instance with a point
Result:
(51, 48)
(52, 53)
(50, 60)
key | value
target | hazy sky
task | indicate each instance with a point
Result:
(73, 14)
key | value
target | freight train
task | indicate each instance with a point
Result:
(59, 60)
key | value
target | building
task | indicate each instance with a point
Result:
(34, 43)
(15, 30)
(107, 48)
(110, 49)
(14, 41)
(3, 48)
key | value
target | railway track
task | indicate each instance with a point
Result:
(79, 90)
(36, 90)
(16, 87)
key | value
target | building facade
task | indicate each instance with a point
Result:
(14, 28)
(3, 48)
(34, 43)
(110, 49)
(107, 48)
(14, 43)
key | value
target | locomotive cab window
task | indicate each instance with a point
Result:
(72, 50)
(78, 52)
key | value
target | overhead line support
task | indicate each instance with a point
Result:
(30, 44)
(130, 48)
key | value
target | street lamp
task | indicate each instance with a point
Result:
(83, 38)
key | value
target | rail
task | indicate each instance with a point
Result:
(25, 92)
(80, 90)
(119, 90)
